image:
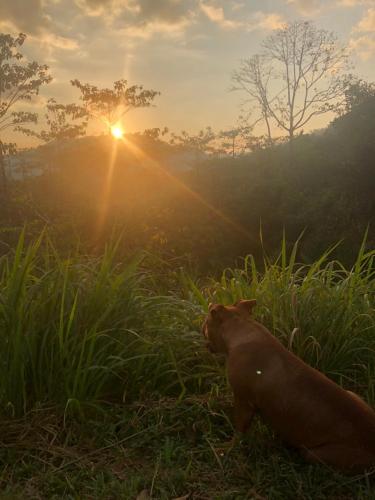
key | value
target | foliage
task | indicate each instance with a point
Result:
(212, 212)
(111, 105)
(106, 387)
(202, 142)
(20, 81)
(63, 121)
(323, 312)
(159, 448)
(357, 92)
(81, 330)
(156, 132)
(78, 330)
(81, 336)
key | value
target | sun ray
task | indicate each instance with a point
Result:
(150, 163)
(104, 202)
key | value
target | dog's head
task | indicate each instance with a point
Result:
(218, 315)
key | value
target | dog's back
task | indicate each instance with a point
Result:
(307, 409)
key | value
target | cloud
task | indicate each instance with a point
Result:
(142, 19)
(95, 4)
(313, 7)
(259, 20)
(54, 41)
(170, 11)
(31, 18)
(367, 23)
(354, 3)
(138, 11)
(217, 16)
(28, 17)
(348, 3)
(363, 39)
(364, 46)
(307, 7)
(238, 5)
(147, 30)
(269, 22)
(106, 9)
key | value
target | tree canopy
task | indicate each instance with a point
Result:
(110, 105)
(20, 81)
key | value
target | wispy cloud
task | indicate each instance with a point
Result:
(142, 19)
(54, 41)
(363, 36)
(364, 46)
(146, 31)
(272, 21)
(217, 16)
(307, 7)
(139, 11)
(315, 7)
(99, 7)
(257, 20)
(367, 23)
(24, 16)
(32, 18)
(354, 3)
(238, 5)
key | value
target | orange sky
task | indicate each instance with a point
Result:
(185, 49)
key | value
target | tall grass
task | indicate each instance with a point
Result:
(85, 330)
(82, 330)
(323, 312)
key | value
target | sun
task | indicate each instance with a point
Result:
(117, 132)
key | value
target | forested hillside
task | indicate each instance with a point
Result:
(214, 210)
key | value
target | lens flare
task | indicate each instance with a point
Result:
(152, 164)
(117, 132)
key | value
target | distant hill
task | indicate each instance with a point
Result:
(95, 151)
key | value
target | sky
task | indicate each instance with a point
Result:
(186, 49)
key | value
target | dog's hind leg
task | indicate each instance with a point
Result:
(243, 414)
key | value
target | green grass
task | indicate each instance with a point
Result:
(81, 330)
(166, 447)
(106, 388)
(323, 312)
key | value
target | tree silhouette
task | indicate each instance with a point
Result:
(110, 105)
(63, 121)
(357, 92)
(19, 81)
(202, 142)
(296, 77)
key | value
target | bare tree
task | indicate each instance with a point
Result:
(20, 81)
(110, 105)
(296, 77)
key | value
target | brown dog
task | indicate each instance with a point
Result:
(326, 423)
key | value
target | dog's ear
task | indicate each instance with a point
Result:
(217, 311)
(246, 305)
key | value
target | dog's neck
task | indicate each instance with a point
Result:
(239, 332)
